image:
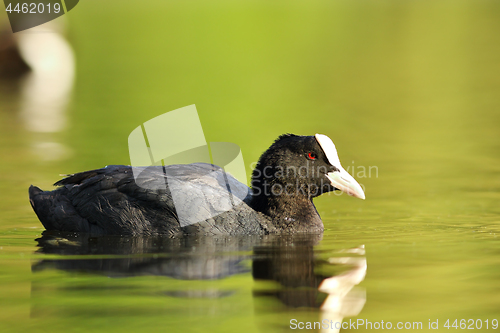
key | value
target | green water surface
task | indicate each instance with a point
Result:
(409, 90)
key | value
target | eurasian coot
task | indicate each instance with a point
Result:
(200, 198)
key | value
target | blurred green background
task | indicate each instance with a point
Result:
(409, 87)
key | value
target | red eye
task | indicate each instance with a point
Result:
(311, 156)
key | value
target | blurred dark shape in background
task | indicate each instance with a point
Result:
(12, 65)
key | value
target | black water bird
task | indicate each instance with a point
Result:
(200, 198)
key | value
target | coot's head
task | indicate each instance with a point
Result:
(296, 169)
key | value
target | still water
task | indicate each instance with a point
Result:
(407, 90)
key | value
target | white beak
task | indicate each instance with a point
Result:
(340, 179)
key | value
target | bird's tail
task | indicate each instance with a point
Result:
(40, 204)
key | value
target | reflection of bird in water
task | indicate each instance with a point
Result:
(290, 261)
(301, 280)
(342, 300)
(190, 258)
(295, 268)
(43, 60)
(201, 260)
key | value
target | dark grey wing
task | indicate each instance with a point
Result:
(202, 191)
(131, 201)
(72, 206)
(211, 202)
(105, 201)
(111, 199)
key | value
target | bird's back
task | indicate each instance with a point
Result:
(172, 200)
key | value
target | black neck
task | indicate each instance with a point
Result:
(293, 210)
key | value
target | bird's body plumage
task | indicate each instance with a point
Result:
(197, 198)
